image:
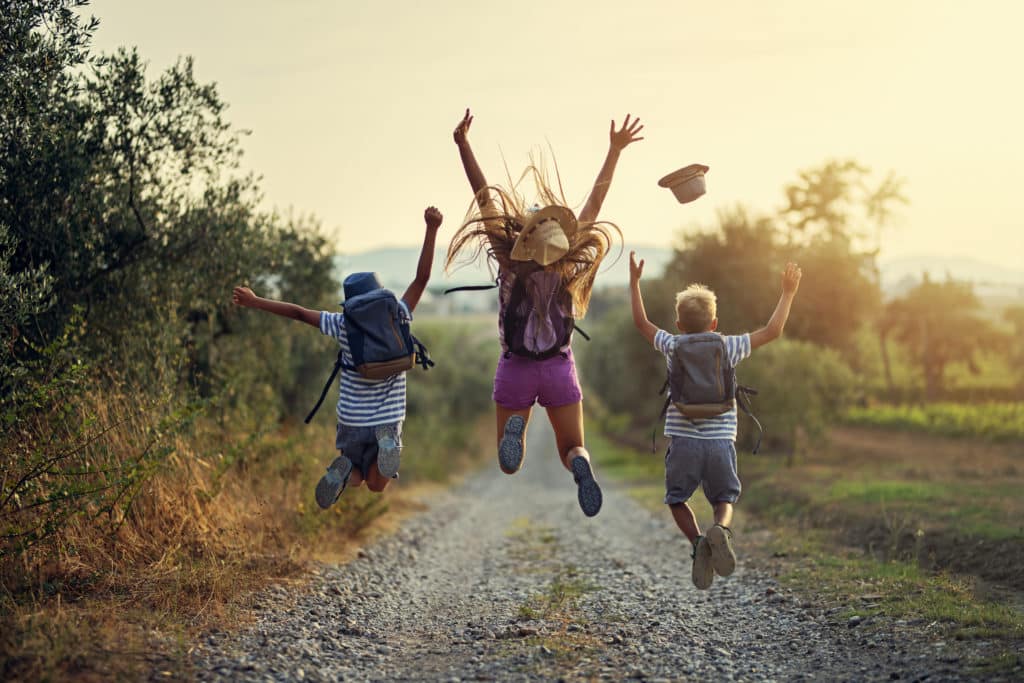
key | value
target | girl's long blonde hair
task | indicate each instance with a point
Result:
(494, 231)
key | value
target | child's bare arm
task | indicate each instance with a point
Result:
(773, 330)
(432, 217)
(243, 296)
(476, 178)
(617, 141)
(646, 327)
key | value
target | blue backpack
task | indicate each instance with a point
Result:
(379, 338)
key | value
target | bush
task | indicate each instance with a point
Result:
(803, 388)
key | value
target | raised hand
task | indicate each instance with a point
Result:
(462, 130)
(433, 218)
(622, 137)
(243, 296)
(635, 269)
(791, 278)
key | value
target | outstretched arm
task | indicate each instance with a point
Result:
(412, 295)
(469, 163)
(646, 327)
(773, 330)
(617, 141)
(243, 296)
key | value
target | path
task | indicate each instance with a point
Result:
(505, 579)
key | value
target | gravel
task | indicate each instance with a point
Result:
(503, 578)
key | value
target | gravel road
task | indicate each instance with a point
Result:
(503, 578)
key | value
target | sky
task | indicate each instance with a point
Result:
(351, 105)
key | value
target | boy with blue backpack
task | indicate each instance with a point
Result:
(376, 349)
(701, 413)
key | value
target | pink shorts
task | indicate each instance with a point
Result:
(520, 382)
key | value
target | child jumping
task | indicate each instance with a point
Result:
(546, 260)
(703, 450)
(370, 411)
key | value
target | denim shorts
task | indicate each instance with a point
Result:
(710, 463)
(359, 444)
(520, 382)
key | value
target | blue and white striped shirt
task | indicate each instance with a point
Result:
(718, 427)
(365, 402)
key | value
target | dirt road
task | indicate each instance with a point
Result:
(503, 578)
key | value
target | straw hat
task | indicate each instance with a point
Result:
(545, 235)
(687, 183)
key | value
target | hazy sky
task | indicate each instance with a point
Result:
(352, 104)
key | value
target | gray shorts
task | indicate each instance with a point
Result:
(359, 444)
(692, 462)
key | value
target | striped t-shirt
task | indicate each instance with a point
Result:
(718, 427)
(365, 402)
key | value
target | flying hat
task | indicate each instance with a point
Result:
(545, 235)
(687, 183)
(360, 283)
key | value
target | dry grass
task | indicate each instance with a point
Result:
(119, 593)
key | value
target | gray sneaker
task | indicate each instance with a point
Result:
(723, 558)
(588, 492)
(389, 450)
(703, 574)
(510, 451)
(333, 483)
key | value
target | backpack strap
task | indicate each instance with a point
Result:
(582, 333)
(422, 357)
(338, 364)
(472, 288)
(743, 401)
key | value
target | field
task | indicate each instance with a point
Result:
(923, 529)
(988, 421)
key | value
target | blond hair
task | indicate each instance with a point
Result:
(494, 231)
(696, 308)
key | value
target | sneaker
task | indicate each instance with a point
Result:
(723, 559)
(510, 451)
(588, 492)
(389, 450)
(703, 574)
(333, 483)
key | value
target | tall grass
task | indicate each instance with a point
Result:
(159, 516)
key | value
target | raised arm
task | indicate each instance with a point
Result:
(243, 296)
(432, 217)
(617, 141)
(470, 165)
(646, 327)
(773, 330)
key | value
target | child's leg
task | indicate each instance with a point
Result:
(567, 422)
(375, 481)
(723, 513)
(682, 513)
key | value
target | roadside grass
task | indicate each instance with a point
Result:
(205, 535)
(813, 509)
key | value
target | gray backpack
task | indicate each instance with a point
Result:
(702, 382)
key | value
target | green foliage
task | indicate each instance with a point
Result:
(803, 388)
(940, 323)
(991, 421)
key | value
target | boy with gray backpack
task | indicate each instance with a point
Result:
(375, 350)
(701, 415)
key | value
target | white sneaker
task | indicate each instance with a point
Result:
(703, 574)
(723, 559)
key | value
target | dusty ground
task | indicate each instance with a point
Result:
(503, 578)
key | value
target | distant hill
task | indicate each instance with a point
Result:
(396, 266)
(902, 273)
